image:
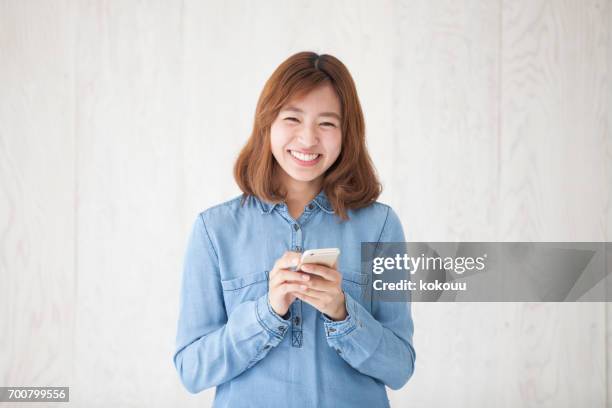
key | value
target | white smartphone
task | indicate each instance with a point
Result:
(323, 256)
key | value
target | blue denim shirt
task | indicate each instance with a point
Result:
(229, 336)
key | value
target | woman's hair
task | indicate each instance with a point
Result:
(350, 182)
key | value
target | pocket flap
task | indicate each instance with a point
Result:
(355, 276)
(243, 281)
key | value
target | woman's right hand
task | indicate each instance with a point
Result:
(283, 281)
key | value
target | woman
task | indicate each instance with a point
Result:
(263, 333)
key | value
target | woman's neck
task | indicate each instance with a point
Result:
(300, 193)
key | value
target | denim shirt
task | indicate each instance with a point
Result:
(230, 337)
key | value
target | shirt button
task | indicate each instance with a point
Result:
(298, 249)
(281, 328)
(310, 206)
(296, 227)
(331, 330)
(297, 320)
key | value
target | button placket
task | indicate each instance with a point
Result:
(296, 323)
(296, 306)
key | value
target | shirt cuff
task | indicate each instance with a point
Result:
(270, 320)
(340, 328)
(356, 337)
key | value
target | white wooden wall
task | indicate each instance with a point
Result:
(120, 121)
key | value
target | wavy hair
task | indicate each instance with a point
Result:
(351, 181)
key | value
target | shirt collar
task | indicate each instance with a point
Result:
(320, 200)
(266, 207)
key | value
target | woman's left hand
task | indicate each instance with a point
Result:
(324, 291)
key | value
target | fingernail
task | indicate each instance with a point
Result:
(303, 287)
(306, 267)
(305, 277)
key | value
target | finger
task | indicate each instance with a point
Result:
(308, 298)
(322, 271)
(285, 275)
(316, 294)
(293, 287)
(288, 260)
(292, 255)
(320, 284)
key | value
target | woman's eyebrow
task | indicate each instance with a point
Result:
(294, 109)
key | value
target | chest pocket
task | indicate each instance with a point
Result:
(244, 288)
(357, 285)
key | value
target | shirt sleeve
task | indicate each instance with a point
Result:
(378, 344)
(211, 347)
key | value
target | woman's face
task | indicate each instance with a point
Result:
(306, 136)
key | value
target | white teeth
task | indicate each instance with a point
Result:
(304, 157)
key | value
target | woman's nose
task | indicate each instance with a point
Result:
(308, 137)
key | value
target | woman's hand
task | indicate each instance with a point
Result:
(323, 291)
(284, 282)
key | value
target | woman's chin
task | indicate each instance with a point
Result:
(304, 178)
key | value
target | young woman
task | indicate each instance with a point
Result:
(264, 334)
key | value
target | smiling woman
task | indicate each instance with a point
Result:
(263, 333)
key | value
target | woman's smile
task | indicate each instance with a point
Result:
(303, 159)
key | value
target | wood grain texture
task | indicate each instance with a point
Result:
(554, 103)
(445, 115)
(446, 77)
(553, 186)
(130, 188)
(37, 241)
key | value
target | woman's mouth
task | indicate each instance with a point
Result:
(305, 159)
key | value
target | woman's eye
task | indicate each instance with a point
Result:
(328, 124)
(292, 119)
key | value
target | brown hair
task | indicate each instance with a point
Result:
(350, 182)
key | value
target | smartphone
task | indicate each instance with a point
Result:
(323, 256)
